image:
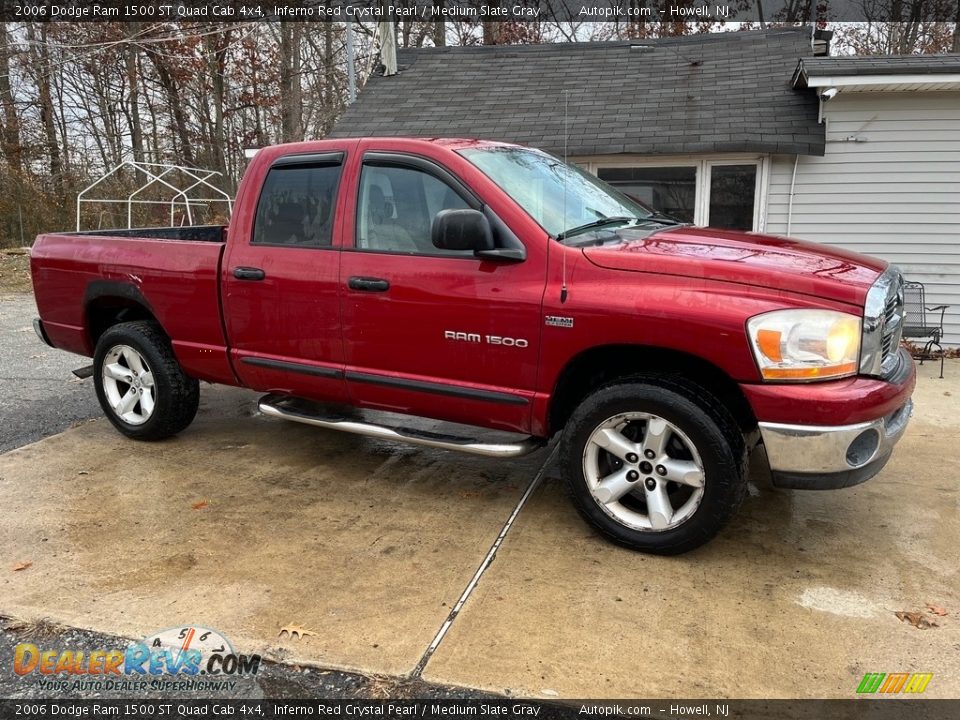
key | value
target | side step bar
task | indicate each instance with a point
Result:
(289, 408)
(84, 372)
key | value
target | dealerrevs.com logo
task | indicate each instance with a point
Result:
(182, 659)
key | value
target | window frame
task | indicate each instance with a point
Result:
(335, 158)
(410, 161)
(703, 166)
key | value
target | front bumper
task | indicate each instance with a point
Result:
(819, 456)
(810, 457)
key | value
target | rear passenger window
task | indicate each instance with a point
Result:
(296, 206)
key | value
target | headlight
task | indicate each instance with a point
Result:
(805, 344)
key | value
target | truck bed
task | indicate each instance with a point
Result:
(192, 233)
(81, 278)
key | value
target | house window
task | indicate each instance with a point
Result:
(670, 190)
(720, 191)
(733, 189)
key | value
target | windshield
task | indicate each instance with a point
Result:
(564, 199)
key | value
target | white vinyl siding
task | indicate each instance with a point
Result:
(895, 194)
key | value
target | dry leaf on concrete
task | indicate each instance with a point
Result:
(917, 619)
(937, 610)
(200, 504)
(22, 566)
(295, 631)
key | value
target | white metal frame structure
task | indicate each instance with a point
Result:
(160, 173)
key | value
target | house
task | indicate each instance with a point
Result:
(750, 130)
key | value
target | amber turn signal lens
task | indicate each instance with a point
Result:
(809, 373)
(769, 343)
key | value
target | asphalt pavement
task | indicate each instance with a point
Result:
(40, 395)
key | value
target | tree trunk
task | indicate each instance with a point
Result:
(216, 65)
(41, 58)
(11, 121)
(439, 26)
(175, 103)
(133, 97)
(291, 93)
(956, 33)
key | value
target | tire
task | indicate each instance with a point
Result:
(621, 490)
(134, 366)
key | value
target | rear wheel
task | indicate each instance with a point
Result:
(656, 467)
(140, 385)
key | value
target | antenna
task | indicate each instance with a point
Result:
(563, 272)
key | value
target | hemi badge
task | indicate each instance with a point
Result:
(559, 321)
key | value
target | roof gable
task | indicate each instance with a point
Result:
(880, 73)
(723, 92)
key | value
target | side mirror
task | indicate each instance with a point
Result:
(461, 230)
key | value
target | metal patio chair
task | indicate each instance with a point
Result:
(921, 322)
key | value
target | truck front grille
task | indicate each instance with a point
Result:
(892, 321)
(882, 324)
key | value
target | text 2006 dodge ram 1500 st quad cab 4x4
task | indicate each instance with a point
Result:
(492, 285)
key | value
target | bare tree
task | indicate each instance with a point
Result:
(12, 152)
(291, 91)
(40, 59)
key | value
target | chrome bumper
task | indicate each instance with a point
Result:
(826, 457)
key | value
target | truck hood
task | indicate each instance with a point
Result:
(747, 258)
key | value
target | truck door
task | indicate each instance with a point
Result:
(431, 332)
(279, 281)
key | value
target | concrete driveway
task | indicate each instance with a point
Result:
(248, 525)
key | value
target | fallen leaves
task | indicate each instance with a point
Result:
(200, 504)
(23, 565)
(295, 631)
(917, 619)
(920, 620)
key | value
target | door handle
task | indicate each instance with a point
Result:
(367, 284)
(248, 273)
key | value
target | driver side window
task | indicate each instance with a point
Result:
(396, 208)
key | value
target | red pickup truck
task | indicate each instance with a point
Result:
(493, 285)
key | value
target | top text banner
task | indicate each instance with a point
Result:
(621, 11)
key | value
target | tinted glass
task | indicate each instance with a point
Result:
(296, 206)
(670, 190)
(396, 210)
(732, 190)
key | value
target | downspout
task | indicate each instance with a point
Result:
(793, 183)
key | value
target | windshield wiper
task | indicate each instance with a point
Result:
(659, 217)
(602, 222)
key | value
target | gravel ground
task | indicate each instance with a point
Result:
(40, 395)
(272, 681)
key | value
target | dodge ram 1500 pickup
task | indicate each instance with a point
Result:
(493, 285)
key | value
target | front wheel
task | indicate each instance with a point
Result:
(140, 385)
(658, 467)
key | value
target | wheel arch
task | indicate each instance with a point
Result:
(107, 303)
(602, 365)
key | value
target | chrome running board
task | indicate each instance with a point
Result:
(290, 408)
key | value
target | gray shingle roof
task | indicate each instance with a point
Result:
(723, 92)
(876, 65)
